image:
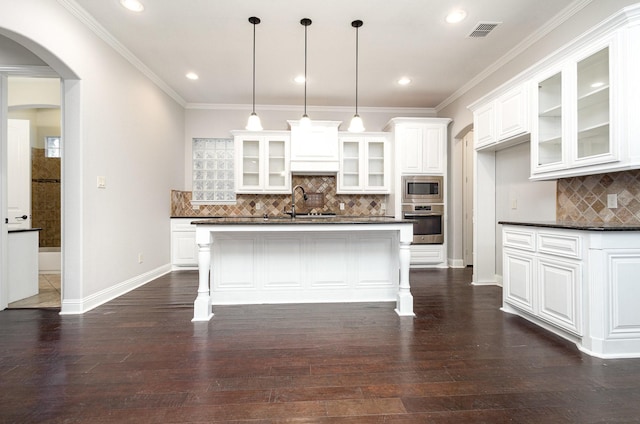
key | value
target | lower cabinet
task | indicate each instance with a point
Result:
(184, 250)
(428, 256)
(582, 285)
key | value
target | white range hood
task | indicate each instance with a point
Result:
(315, 150)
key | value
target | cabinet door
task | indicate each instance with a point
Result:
(433, 150)
(548, 150)
(184, 250)
(593, 139)
(559, 285)
(484, 131)
(411, 149)
(377, 175)
(512, 113)
(249, 166)
(350, 175)
(276, 164)
(518, 279)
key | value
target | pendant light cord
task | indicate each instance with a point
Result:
(356, 70)
(254, 68)
(305, 69)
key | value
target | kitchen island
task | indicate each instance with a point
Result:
(253, 260)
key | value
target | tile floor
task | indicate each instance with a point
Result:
(48, 297)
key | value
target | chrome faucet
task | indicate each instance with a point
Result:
(293, 199)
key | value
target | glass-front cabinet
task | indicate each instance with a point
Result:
(262, 162)
(573, 113)
(363, 164)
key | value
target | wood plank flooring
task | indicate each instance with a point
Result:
(139, 359)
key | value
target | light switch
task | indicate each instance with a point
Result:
(102, 182)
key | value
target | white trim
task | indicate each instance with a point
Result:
(76, 10)
(80, 306)
(426, 111)
(29, 71)
(456, 263)
(553, 23)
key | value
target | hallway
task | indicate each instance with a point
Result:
(139, 359)
(48, 296)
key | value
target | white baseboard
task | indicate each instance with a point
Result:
(80, 306)
(456, 263)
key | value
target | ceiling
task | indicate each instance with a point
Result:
(213, 38)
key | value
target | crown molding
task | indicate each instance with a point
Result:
(29, 71)
(294, 108)
(536, 36)
(90, 22)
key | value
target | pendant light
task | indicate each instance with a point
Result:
(253, 124)
(356, 122)
(305, 122)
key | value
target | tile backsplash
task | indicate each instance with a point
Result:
(584, 199)
(274, 204)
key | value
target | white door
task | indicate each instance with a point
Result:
(19, 174)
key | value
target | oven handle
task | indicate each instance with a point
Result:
(412, 215)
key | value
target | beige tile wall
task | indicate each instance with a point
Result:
(274, 204)
(584, 199)
(45, 197)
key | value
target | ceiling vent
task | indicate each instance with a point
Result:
(483, 29)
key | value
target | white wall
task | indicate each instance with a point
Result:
(122, 127)
(517, 198)
(592, 14)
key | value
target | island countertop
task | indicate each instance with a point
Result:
(305, 219)
(568, 225)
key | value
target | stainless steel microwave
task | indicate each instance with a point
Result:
(422, 189)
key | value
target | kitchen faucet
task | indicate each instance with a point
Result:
(293, 199)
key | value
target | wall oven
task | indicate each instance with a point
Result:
(428, 223)
(422, 189)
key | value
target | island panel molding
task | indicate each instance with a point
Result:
(303, 260)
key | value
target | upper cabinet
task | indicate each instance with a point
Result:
(262, 162)
(504, 118)
(420, 144)
(364, 163)
(575, 106)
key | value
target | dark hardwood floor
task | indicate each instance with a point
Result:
(139, 359)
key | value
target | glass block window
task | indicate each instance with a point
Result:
(52, 147)
(213, 177)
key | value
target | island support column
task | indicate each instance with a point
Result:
(404, 304)
(202, 304)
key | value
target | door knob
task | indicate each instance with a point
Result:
(22, 217)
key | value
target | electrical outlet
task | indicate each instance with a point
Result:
(341, 206)
(612, 201)
(139, 258)
(102, 182)
(383, 206)
(258, 206)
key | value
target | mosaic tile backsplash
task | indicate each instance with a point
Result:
(326, 200)
(584, 199)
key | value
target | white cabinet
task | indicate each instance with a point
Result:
(262, 162)
(420, 144)
(364, 164)
(504, 118)
(184, 250)
(428, 256)
(542, 275)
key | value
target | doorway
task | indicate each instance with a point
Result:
(34, 181)
(467, 198)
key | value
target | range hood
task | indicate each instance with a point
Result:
(315, 150)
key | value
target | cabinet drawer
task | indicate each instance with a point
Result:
(519, 239)
(565, 245)
(183, 224)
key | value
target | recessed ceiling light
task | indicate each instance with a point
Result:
(299, 79)
(192, 76)
(404, 81)
(456, 16)
(132, 5)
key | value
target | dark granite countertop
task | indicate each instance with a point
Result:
(24, 230)
(300, 220)
(568, 225)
